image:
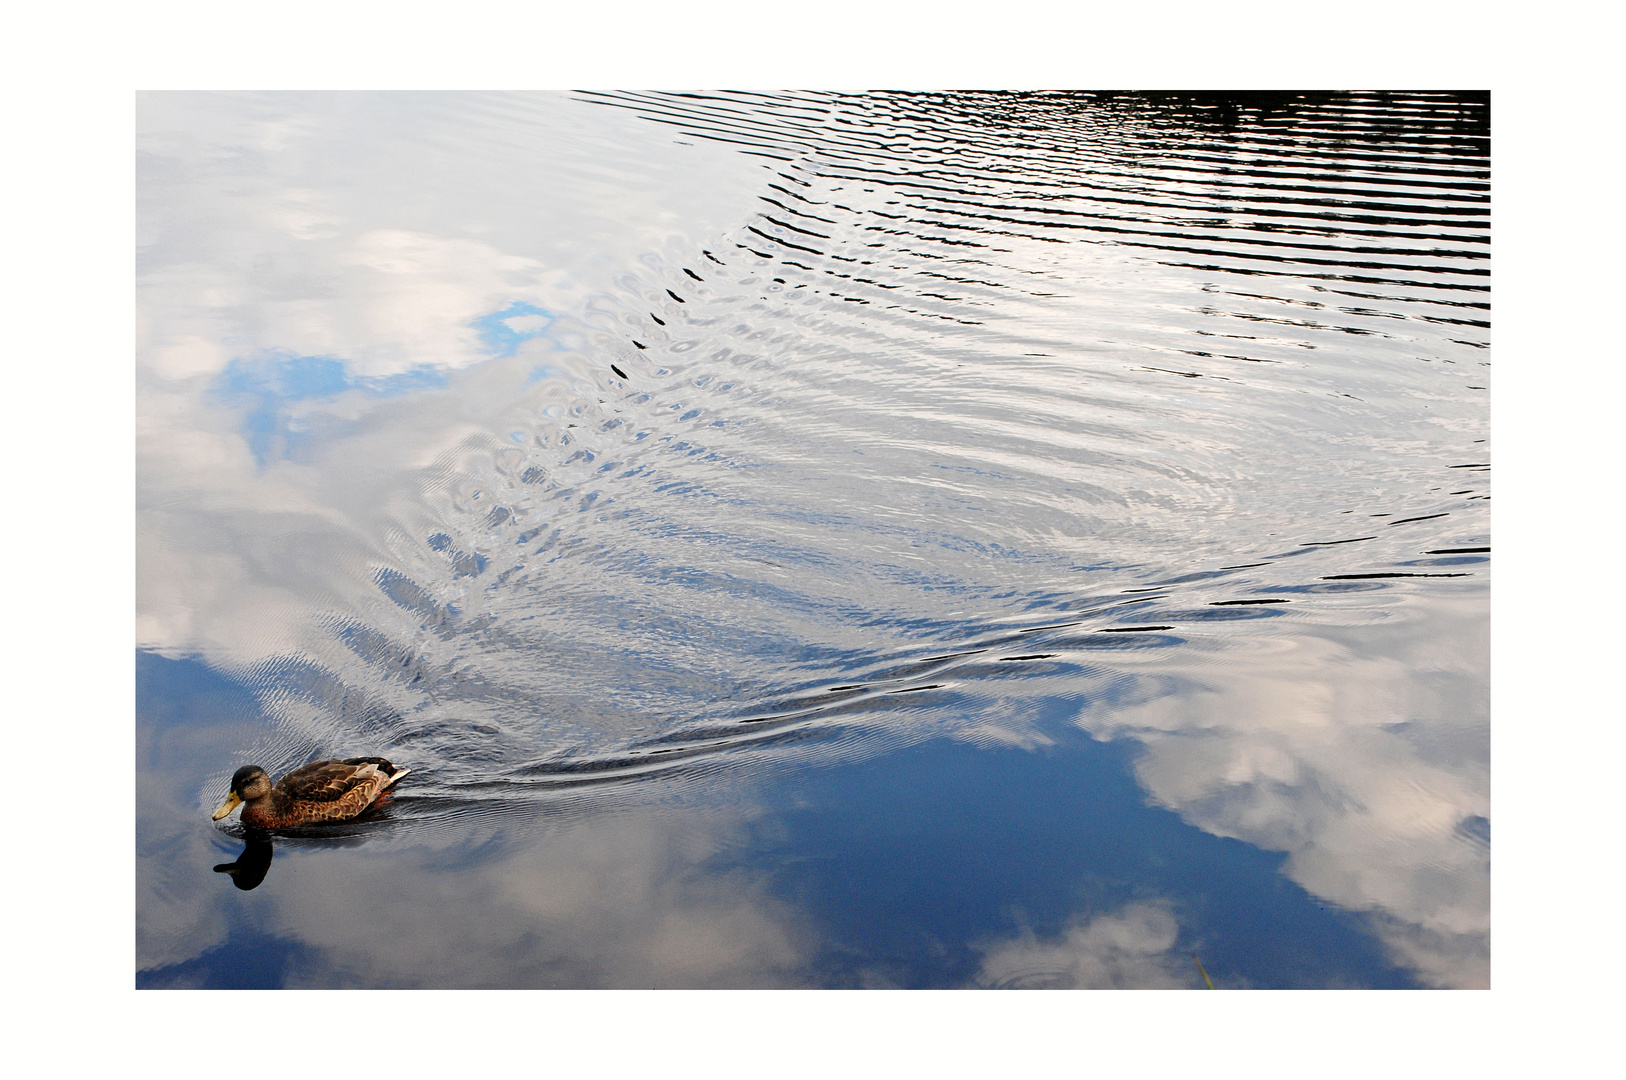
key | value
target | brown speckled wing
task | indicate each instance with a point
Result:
(320, 781)
(349, 805)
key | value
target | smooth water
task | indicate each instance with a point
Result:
(883, 540)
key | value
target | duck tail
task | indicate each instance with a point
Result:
(394, 776)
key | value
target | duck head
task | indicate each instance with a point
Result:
(247, 784)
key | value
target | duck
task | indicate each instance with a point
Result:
(322, 791)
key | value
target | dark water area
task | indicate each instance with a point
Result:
(896, 540)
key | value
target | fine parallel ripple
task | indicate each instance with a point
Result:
(990, 397)
(1390, 190)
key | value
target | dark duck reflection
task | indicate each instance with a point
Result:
(252, 865)
(323, 791)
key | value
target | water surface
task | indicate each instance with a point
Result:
(885, 540)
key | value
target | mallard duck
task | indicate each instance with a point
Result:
(320, 791)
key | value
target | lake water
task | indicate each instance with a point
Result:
(923, 540)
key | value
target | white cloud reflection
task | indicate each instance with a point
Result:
(380, 235)
(171, 927)
(622, 900)
(376, 228)
(1132, 948)
(1364, 759)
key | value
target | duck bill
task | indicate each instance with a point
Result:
(228, 806)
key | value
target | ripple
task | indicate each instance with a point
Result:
(985, 395)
